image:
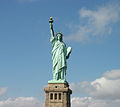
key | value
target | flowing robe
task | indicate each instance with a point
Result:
(59, 52)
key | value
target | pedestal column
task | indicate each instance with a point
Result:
(57, 95)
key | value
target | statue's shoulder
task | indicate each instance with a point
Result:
(63, 43)
(53, 39)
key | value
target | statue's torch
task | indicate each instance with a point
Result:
(51, 20)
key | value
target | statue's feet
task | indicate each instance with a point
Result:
(57, 81)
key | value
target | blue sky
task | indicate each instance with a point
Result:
(90, 27)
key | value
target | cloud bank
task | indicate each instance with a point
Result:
(106, 87)
(91, 102)
(21, 102)
(103, 92)
(97, 23)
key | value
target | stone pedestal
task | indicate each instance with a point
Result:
(57, 95)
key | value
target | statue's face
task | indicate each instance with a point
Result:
(59, 36)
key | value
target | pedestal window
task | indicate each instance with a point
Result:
(55, 96)
(59, 96)
(51, 96)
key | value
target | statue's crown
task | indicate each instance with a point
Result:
(59, 34)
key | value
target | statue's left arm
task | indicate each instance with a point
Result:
(69, 50)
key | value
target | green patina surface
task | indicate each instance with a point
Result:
(60, 53)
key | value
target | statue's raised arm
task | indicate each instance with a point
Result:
(51, 26)
(53, 37)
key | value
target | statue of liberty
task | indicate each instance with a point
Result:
(59, 55)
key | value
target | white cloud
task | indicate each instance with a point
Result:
(91, 102)
(106, 87)
(114, 74)
(80, 87)
(21, 102)
(98, 23)
(3, 91)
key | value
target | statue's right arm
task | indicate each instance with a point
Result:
(51, 30)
